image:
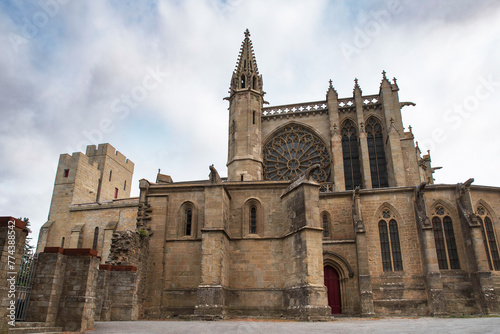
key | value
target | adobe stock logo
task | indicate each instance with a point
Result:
(365, 33)
(454, 117)
(120, 108)
(31, 26)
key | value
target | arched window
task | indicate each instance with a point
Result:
(242, 81)
(389, 242)
(254, 82)
(350, 152)
(253, 220)
(376, 152)
(189, 221)
(489, 238)
(326, 225)
(96, 237)
(446, 247)
(253, 217)
(253, 117)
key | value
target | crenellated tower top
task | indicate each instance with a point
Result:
(246, 75)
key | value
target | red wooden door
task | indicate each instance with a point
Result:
(333, 289)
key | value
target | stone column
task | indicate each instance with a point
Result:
(305, 292)
(364, 156)
(482, 280)
(364, 278)
(395, 132)
(434, 283)
(47, 286)
(336, 139)
(211, 296)
(77, 303)
(64, 288)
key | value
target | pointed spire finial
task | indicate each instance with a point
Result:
(356, 87)
(331, 83)
(395, 80)
(246, 74)
(383, 75)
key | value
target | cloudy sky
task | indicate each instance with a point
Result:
(149, 77)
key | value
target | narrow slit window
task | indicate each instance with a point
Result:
(66, 172)
(124, 184)
(384, 245)
(110, 174)
(450, 243)
(96, 237)
(116, 193)
(396, 249)
(253, 220)
(189, 221)
(439, 241)
(326, 232)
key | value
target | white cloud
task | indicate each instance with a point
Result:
(62, 82)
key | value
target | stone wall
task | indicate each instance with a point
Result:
(64, 288)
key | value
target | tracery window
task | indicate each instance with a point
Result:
(291, 151)
(489, 238)
(350, 152)
(446, 247)
(389, 242)
(376, 152)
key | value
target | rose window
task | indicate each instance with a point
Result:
(291, 151)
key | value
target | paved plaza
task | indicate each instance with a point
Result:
(343, 325)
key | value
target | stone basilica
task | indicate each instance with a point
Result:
(329, 207)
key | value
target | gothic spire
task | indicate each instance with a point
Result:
(246, 75)
(356, 87)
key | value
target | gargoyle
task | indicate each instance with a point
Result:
(214, 175)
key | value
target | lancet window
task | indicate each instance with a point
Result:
(389, 242)
(350, 152)
(444, 238)
(378, 167)
(489, 238)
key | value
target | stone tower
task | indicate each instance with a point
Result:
(246, 98)
(101, 175)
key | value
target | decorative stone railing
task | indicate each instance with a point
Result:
(371, 101)
(344, 105)
(295, 108)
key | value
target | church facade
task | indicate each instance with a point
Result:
(329, 207)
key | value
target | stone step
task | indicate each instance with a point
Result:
(34, 327)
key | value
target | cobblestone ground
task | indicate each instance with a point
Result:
(345, 325)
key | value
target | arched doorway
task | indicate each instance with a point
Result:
(332, 284)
